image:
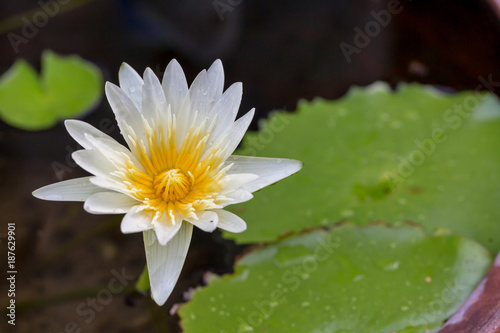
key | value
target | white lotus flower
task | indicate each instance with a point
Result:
(177, 171)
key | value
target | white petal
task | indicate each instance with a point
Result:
(165, 262)
(136, 220)
(233, 135)
(113, 151)
(78, 189)
(234, 181)
(215, 75)
(91, 138)
(153, 98)
(109, 183)
(94, 162)
(164, 228)
(131, 83)
(196, 101)
(269, 170)
(226, 109)
(127, 115)
(207, 221)
(174, 85)
(230, 222)
(203, 93)
(198, 97)
(238, 196)
(99, 165)
(109, 203)
(78, 129)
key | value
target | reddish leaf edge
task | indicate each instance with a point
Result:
(481, 311)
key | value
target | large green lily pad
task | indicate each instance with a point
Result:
(68, 87)
(411, 155)
(351, 279)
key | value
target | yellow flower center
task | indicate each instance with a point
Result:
(177, 181)
(172, 185)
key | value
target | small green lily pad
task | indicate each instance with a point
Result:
(350, 279)
(68, 87)
(143, 285)
(414, 154)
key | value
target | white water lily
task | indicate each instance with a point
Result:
(177, 170)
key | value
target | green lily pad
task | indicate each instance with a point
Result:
(411, 155)
(350, 279)
(143, 285)
(68, 87)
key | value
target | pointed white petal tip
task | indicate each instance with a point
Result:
(174, 62)
(269, 170)
(136, 221)
(174, 85)
(165, 231)
(216, 63)
(230, 222)
(75, 127)
(127, 75)
(158, 297)
(109, 88)
(216, 75)
(293, 165)
(69, 121)
(148, 72)
(165, 262)
(250, 113)
(124, 65)
(78, 189)
(131, 83)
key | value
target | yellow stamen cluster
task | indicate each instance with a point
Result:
(177, 183)
(172, 185)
